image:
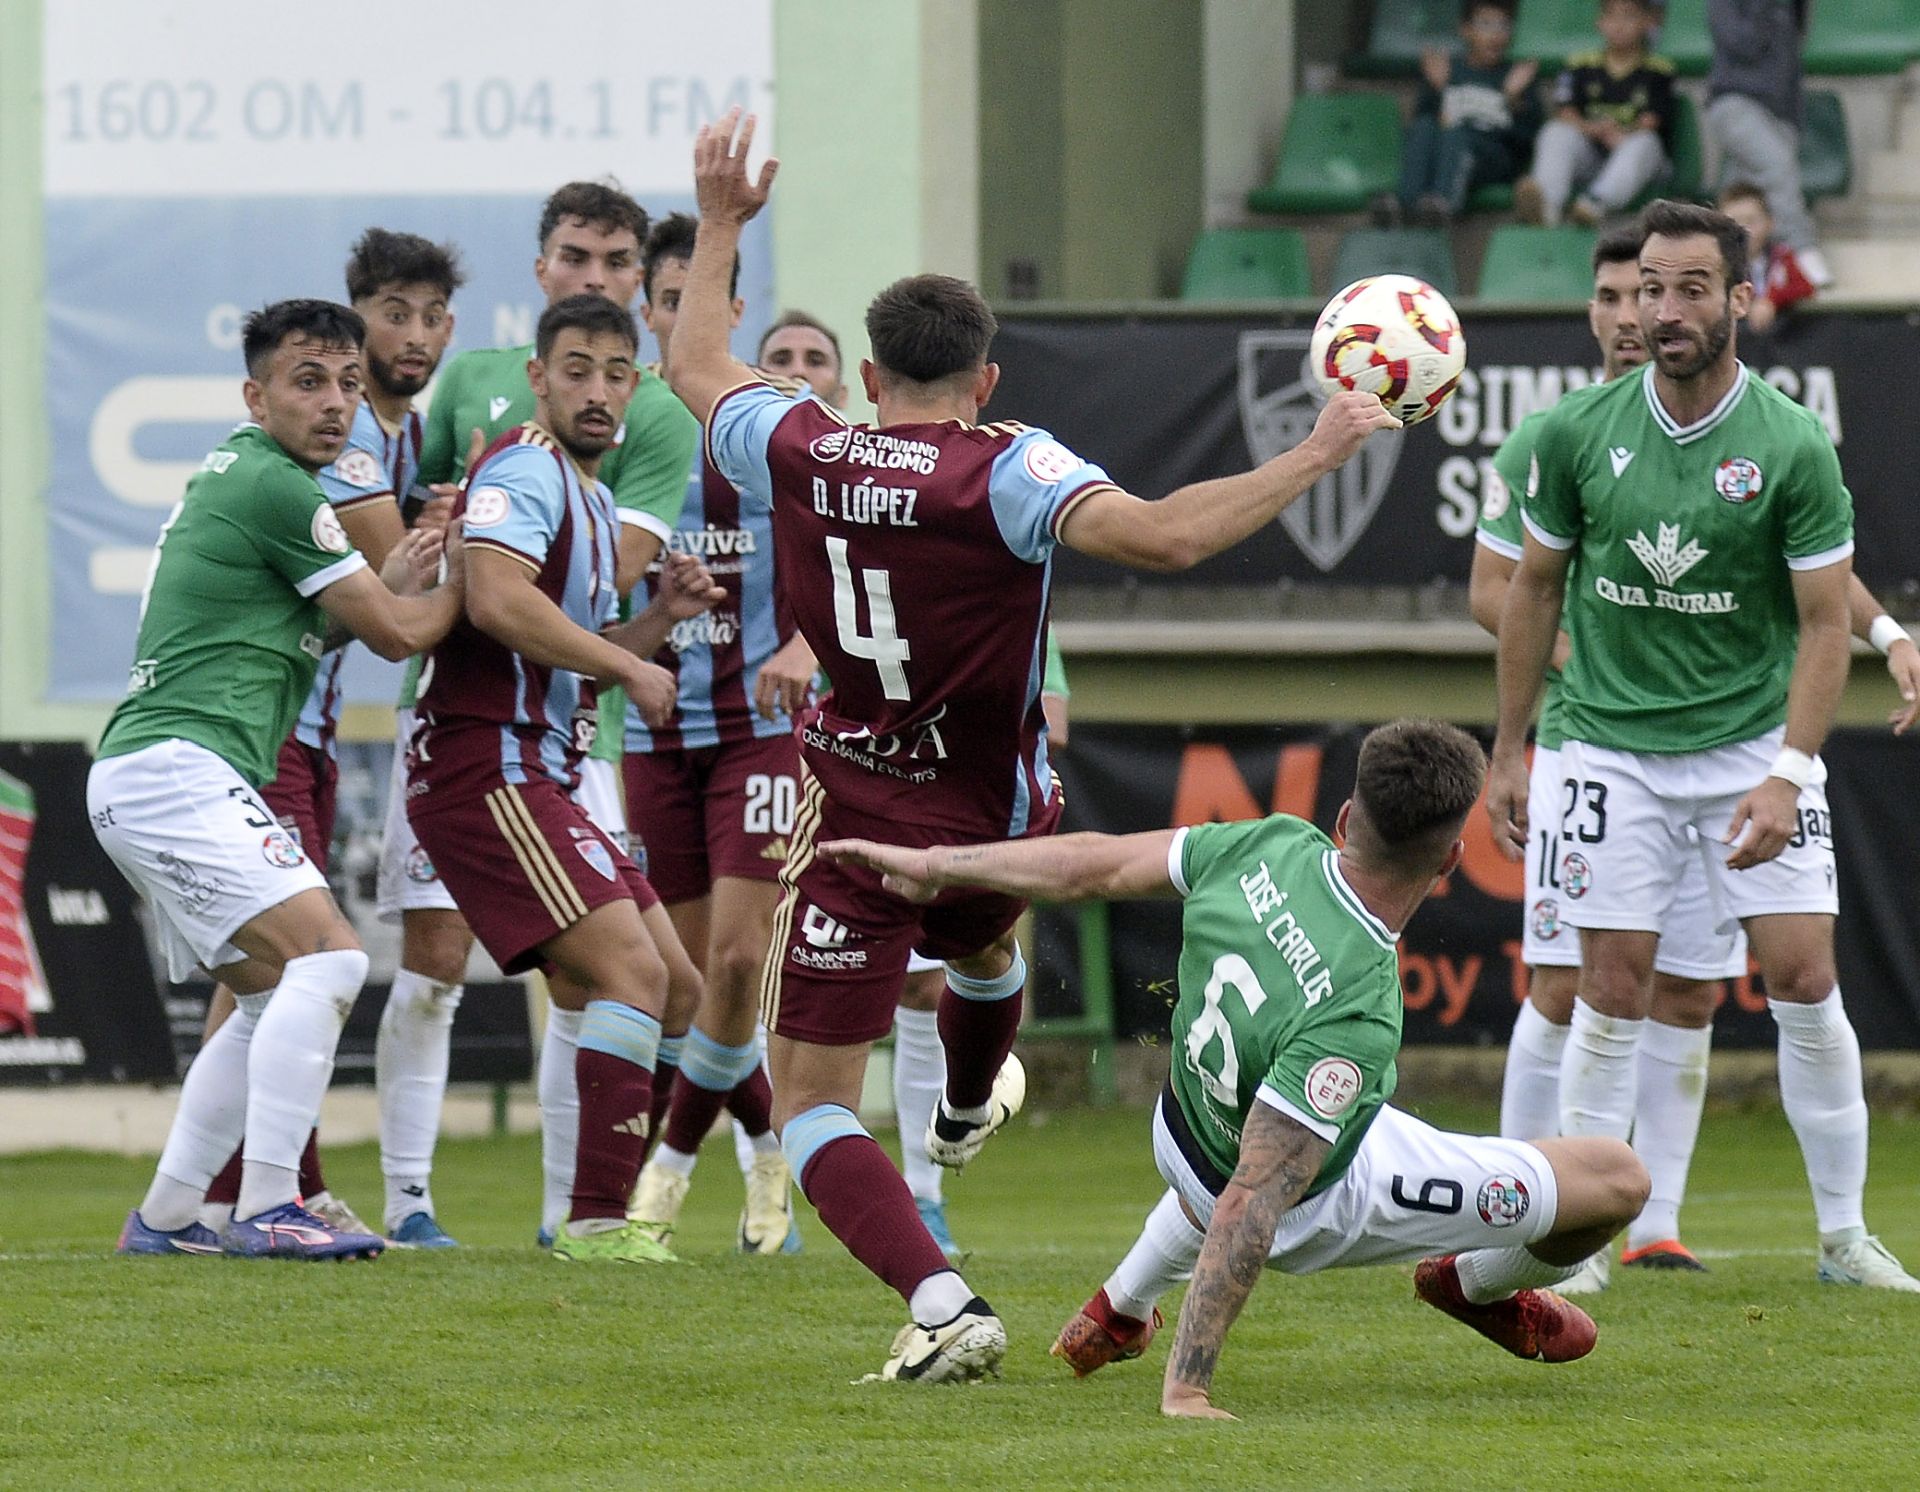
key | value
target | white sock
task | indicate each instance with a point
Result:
(938, 1298)
(1160, 1258)
(1597, 1073)
(207, 1126)
(559, 1114)
(766, 1144)
(1821, 1090)
(673, 1162)
(1666, 1122)
(1494, 1274)
(1530, 1088)
(410, 1058)
(919, 1077)
(288, 1069)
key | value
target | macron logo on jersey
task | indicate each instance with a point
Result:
(1619, 456)
(497, 406)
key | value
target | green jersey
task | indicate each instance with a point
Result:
(1289, 990)
(1054, 681)
(230, 632)
(1684, 544)
(646, 470)
(1502, 531)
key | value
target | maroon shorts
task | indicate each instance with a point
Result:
(522, 861)
(841, 940)
(305, 784)
(713, 811)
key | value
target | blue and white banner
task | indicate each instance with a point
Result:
(203, 159)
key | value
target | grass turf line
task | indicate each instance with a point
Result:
(499, 1367)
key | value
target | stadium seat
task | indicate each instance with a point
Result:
(1339, 152)
(1554, 30)
(1247, 264)
(1493, 197)
(1826, 162)
(1537, 264)
(1683, 182)
(1683, 37)
(1426, 253)
(1862, 36)
(1400, 32)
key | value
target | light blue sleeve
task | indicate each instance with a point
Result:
(359, 473)
(739, 431)
(1034, 482)
(516, 502)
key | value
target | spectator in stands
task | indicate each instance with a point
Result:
(1613, 111)
(1753, 112)
(1779, 278)
(1473, 123)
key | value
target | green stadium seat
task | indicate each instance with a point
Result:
(1537, 264)
(1400, 32)
(1426, 253)
(1340, 151)
(1862, 36)
(1826, 163)
(1247, 264)
(1493, 197)
(1683, 37)
(1554, 30)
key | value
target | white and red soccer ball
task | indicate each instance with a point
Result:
(1394, 336)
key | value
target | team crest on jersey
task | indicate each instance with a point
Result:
(1546, 920)
(1576, 875)
(1049, 461)
(831, 446)
(598, 856)
(486, 506)
(359, 469)
(1333, 1083)
(282, 851)
(420, 867)
(1738, 480)
(1497, 500)
(1279, 402)
(1503, 1201)
(327, 532)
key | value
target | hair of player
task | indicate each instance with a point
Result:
(593, 314)
(1417, 781)
(385, 258)
(599, 204)
(929, 327)
(812, 323)
(1672, 219)
(324, 321)
(672, 239)
(1621, 246)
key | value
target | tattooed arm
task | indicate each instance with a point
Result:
(1279, 1158)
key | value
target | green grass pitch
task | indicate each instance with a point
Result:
(499, 1367)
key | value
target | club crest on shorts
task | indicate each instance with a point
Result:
(1576, 875)
(598, 856)
(1546, 920)
(1333, 1083)
(420, 867)
(1503, 1201)
(1277, 414)
(281, 850)
(1737, 479)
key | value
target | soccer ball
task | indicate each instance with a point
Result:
(1394, 336)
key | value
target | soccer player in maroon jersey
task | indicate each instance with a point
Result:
(915, 555)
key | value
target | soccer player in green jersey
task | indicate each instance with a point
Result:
(248, 572)
(1274, 1134)
(1709, 537)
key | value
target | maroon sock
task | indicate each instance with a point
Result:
(224, 1190)
(616, 1098)
(691, 1115)
(751, 1102)
(312, 1183)
(862, 1199)
(664, 1075)
(978, 1035)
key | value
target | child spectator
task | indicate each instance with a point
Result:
(1613, 111)
(1779, 278)
(1473, 123)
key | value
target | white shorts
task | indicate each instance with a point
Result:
(1691, 946)
(198, 844)
(1625, 843)
(407, 881)
(599, 795)
(1411, 1191)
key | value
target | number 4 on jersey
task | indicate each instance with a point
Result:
(884, 647)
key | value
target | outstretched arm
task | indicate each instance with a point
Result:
(1279, 1157)
(1871, 622)
(1067, 867)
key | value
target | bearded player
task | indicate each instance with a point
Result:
(506, 715)
(888, 538)
(1703, 518)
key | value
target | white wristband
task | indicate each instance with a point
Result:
(1885, 632)
(1792, 766)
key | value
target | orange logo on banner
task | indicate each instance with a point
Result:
(1211, 789)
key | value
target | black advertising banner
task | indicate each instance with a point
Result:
(78, 998)
(1460, 965)
(1163, 401)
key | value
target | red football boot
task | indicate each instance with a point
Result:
(1098, 1335)
(1534, 1324)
